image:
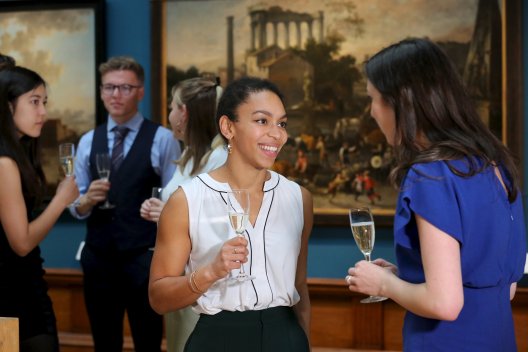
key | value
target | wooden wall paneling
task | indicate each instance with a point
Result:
(520, 318)
(66, 292)
(392, 326)
(80, 322)
(64, 310)
(332, 322)
(339, 320)
(332, 315)
(368, 324)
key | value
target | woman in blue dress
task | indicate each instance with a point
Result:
(459, 230)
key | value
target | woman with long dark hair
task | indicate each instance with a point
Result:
(23, 291)
(459, 228)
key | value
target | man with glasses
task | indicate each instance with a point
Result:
(117, 254)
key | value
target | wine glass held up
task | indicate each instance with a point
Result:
(156, 192)
(66, 158)
(362, 226)
(104, 164)
(238, 211)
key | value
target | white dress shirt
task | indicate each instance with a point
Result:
(274, 244)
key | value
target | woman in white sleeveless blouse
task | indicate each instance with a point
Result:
(271, 312)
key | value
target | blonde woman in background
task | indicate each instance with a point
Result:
(192, 118)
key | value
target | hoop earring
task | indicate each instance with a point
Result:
(229, 148)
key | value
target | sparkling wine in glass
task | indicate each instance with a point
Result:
(104, 164)
(362, 225)
(66, 157)
(238, 211)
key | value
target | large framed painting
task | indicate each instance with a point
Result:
(314, 51)
(63, 41)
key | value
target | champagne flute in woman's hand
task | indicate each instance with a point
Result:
(156, 192)
(362, 225)
(238, 211)
(66, 157)
(104, 164)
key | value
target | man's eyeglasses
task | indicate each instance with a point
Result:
(125, 89)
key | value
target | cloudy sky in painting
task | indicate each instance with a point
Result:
(196, 30)
(59, 45)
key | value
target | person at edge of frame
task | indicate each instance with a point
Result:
(24, 221)
(459, 228)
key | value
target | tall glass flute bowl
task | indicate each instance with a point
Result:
(104, 165)
(364, 233)
(66, 157)
(237, 203)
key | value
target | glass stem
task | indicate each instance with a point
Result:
(367, 257)
(241, 265)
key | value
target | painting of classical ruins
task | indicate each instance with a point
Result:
(314, 51)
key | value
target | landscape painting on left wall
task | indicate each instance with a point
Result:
(60, 43)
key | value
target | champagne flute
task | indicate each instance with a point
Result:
(362, 225)
(66, 156)
(238, 211)
(156, 192)
(104, 164)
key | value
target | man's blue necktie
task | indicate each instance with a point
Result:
(120, 133)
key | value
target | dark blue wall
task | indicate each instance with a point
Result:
(332, 250)
(128, 33)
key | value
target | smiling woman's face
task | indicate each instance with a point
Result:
(260, 130)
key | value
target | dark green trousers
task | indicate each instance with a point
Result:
(270, 330)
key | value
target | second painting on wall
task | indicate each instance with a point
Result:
(314, 51)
